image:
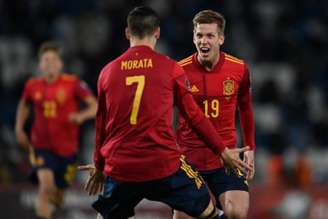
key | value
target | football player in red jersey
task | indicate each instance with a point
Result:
(55, 133)
(220, 84)
(135, 143)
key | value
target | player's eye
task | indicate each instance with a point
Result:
(199, 36)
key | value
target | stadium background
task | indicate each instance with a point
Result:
(285, 44)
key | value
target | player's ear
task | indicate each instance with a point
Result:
(61, 64)
(157, 33)
(194, 36)
(221, 39)
(127, 33)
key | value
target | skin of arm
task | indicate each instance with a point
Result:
(23, 111)
(88, 112)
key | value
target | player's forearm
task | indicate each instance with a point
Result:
(246, 114)
(200, 124)
(208, 134)
(247, 126)
(98, 159)
(90, 111)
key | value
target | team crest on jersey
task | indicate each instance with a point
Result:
(61, 95)
(228, 88)
(37, 96)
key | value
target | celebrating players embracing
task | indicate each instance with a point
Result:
(135, 142)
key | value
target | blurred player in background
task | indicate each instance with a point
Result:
(220, 84)
(55, 133)
(135, 143)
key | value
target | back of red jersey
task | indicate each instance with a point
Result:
(134, 120)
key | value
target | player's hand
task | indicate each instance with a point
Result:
(231, 159)
(95, 182)
(22, 139)
(76, 118)
(249, 159)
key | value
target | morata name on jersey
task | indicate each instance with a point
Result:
(136, 64)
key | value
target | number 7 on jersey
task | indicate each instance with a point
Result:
(140, 80)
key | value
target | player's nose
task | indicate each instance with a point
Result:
(203, 40)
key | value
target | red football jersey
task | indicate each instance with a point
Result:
(53, 103)
(135, 140)
(219, 93)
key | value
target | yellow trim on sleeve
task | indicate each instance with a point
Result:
(68, 77)
(234, 60)
(185, 60)
(186, 63)
(233, 57)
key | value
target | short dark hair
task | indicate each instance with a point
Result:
(209, 17)
(142, 21)
(50, 46)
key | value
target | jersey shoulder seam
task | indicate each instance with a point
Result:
(68, 77)
(233, 59)
(186, 61)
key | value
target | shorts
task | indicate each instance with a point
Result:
(221, 180)
(64, 168)
(184, 190)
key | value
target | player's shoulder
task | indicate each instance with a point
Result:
(68, 77)
(186, 62)
(167, 59)
(34, 81)
(164, 60)
(113, 64)
(233, 60)
(161, 58)
(108, 68)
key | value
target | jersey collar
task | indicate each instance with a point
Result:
(216, 68)
(141, 47)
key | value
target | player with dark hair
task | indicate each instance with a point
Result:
(55, 98)
(220, 84)
(135, 144)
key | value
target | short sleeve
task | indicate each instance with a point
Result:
(82, 90)
(26, 96)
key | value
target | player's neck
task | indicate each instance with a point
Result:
(51, 78)
(147, 41)
(210, 64)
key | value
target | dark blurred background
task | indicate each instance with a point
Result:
(284, 42)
